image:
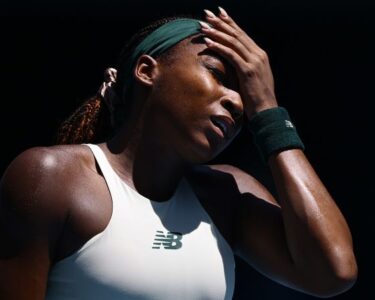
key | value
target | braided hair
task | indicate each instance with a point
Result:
(91, 122)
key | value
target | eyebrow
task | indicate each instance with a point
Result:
(213, 55)
(199, 40)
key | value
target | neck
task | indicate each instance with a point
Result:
(144, 161)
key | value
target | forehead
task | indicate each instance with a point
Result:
(195, 47)
(188, 48)
(194, 50)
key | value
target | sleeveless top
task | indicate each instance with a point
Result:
(149, 250)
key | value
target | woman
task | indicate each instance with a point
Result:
(140, 216)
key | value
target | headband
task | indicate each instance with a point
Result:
(159, 41)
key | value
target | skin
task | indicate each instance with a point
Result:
(54, 199)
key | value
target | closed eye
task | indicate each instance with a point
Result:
(219, 75)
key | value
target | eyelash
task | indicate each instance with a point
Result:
(217, 74)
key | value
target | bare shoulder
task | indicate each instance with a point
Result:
(245, 183)
(35, 182)
(35, 198)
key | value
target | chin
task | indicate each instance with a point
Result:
(204, 151)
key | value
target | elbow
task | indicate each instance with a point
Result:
(331, 279)
(342, 281)
(340, 286)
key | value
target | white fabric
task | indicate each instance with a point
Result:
(121, 263)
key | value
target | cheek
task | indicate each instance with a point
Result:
(205, 84)
(194, 86)
(186, 93)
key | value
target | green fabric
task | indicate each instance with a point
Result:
(274, 132)
(160, 40)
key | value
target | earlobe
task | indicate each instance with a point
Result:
(146, 70)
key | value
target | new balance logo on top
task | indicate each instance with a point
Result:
(288, 124)
(172, 240)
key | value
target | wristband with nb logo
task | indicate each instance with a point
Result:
(274, 132)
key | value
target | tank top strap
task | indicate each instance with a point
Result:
(109, 174)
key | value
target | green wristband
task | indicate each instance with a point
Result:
(274, 132)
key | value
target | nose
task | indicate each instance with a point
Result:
(233, 104)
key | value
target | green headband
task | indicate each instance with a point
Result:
(159, 41)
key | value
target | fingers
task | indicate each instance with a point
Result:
(232, 56)
(226, 40)
(226, 18)
(231, 41)
(223, 22)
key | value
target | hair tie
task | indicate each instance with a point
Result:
(106, 90)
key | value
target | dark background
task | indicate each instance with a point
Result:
(53, 54)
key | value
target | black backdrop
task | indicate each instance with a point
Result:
(53, 54)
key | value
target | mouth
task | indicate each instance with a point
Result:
(224, 124)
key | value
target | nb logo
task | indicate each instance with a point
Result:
(172, 240)
(289, 124)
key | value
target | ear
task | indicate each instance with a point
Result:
(146, 70)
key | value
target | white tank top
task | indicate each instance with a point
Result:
(149, 250)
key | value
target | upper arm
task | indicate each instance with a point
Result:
(28, 225)
(259, 235)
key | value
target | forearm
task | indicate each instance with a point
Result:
(318, 237)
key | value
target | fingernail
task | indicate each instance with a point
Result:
(204, 25)
(223, 12)
(208, 40)
(209, 13)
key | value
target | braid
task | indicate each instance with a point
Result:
(88, 123)
(91, 122)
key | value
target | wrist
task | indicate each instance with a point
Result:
(273, 131)
(255, 109)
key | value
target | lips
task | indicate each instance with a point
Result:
(225, 124)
